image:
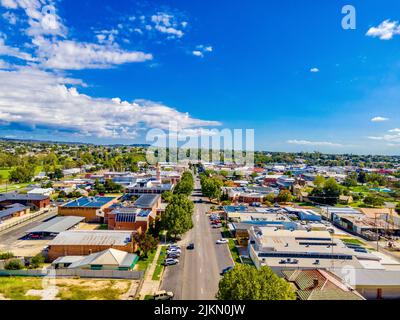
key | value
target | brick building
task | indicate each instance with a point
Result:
(34, 201)
(83, 243)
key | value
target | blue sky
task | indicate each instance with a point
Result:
(106, 72)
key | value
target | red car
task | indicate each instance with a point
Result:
(216, 222)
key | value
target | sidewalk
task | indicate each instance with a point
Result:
(150, 286)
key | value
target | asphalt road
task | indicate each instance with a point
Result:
(197, 275)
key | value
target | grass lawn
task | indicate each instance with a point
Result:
(16, 288)
(92, 289)
(143, 263)
(234, 251)
(353, 241)
(4, 173)
(13, 187)
(160, 265)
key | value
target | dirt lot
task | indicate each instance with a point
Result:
(18, 288)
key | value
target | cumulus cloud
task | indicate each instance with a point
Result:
(34, 97)
(314, 143)
(71, 55)
(385, 31)
(393, 136)
(166, 23)
(379, 119)
(314, 70)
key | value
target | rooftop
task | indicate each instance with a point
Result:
(97, 237)
(56, 225)
(147, 200)
(89, 202)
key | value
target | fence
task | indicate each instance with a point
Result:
(69, 273)
(30, 216)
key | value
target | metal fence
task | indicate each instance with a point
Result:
(69, 273)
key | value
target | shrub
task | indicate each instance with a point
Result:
(37, 261)
(6, 255)
(14, 265)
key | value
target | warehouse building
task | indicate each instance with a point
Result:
(83, 243)
(91, 208)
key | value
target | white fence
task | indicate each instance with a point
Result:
(68, 273)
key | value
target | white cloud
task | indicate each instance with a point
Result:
(201, 50)
(166, 23)
(314, 70)
(71, 55)
(198, 53)
(37, 98)
(314, 143)
(9, 4)
(379, 119)
(392, 137)
(385, 31)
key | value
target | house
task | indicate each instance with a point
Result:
(374, 284)
(319, 285)
(13, 210)
(345, 200)
(44, 192)
(34, 201)
(83, 243)
(91, 208)
(109, 259)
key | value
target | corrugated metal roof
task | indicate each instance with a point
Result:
(97, 237)
(57, 225)
(147, 200)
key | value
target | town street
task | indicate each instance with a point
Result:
(198, 274)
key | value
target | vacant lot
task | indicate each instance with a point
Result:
(21, 288)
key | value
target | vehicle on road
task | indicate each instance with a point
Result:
(163, 295)
(216, 222)
(173, 256)
(190, 246)
(217, 226)
(226, 270)
(222, 241)
(171, 262)
(173, 246)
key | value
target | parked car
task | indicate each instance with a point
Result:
(173, 246)
(190, 246)
(226, 270)
(222, 241)
(173, 256)
(217, 226)
(216, 222)
(176, 251)
(163, 295)
(171, 262)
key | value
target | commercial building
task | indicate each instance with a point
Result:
(34, 201)
(109, 259)
(13, 210)
(304, 214)
(83, 243)
(91, 208)
(148, 187)
(298, 249)
(130, 218)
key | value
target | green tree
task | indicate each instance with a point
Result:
(284, 196)
(22, 174)
(37, 261)
(245, 282)
(176, 220)
(211, 188)
(319, 181)
(374, 201)
(146, 243)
